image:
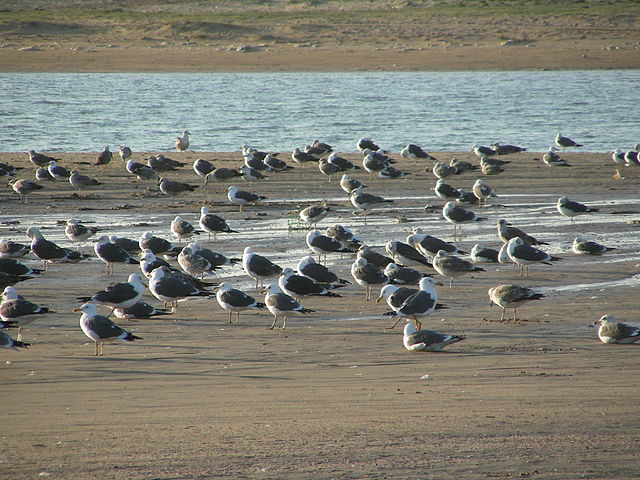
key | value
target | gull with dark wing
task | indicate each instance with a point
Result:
(366, 201)
(141, 171)
(419, 305)
(182, 229)
(111, 253)
(618, 158)
(506, 232)
(451, 266)
(314, 213)
(403, 275)
(77, 232)
(366, 143)
(404, 254)
(217, 260)
(571, 209)
(18, 311)
(119, 295)
(373, 257)
(506, 149)
(194, 264)
(211, 223)
(525, 255)
(170, 289)
(40, 159)
(274, 164)
(48, 251)
(42, 174)
(24, 188)
(367, 275)
(511, 296)
(482, 254)
(317, 272)
(160, 163)
(442, 170)
(395, 295)
(328, 169)
(586, 247)
(11, 249)
(203, 168)
(241, 197)
(235, 301)
(415, 152)
(299, 156)
(322, 244)
(258, 267)
(446, 191)
(552, 159)
(429, 245)
(173, 188)
(427, 340)
(298, 286)
(158, 245)
(7, 342)
(81, 182)
(483, 151)
(140, 310)
(281, 304)
(457, 216)
(374, 162)
(344, 236)
(565, 142)
(342, 163)
(100, 329)
(483, 192)
(349, 184)
(612, 331)
(11, 266)
(222, 174)
(58, 172)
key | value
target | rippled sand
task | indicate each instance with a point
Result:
(335, 395)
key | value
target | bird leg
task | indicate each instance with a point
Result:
(450, 282)
(238, 319)
(284, 323)
(229, 316)
(394, 324)
(502, 316)
(418, 324)
(275, 319)
(111, 312)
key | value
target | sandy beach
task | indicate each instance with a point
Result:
(335, 395)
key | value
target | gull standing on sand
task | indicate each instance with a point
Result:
(446, 191)
(552, 159)
(314, 213)
(457, 216)
(203, 168)
(258, 267)
(571, 209)
(158, 245)
(81, 182)
(429, 245)
(233, 300)
(48, 251)
(104, 157)
(419, 305)
(565, 142)
(125, 153)
(298, 286)
(482, 254)
(194, 264)
(58, 172)
(182, 141)
(18, 311)
(511, 296)
(211, 223)
(395, 295)
(279, 303)
(100, 329)
(367, 275)
(427, 340)
(442, 170)
(141, 171)
(612, 331)
(404, 254)
(24, 187)
(182, 229)
(349, 184)
(119, 295)
(322, 244)
(483, 192)
(299, 156)
(140, 310)
(451, 266)
(403, 275)
(366, 201)
(618, 158)
(506, 232)
(274, 164)
(525, 255)
(111, 253)
(241, 197)
(170, 289)
(317, 272)
(342, 163)
(77, 232)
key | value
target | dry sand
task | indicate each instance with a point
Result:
(335, 395)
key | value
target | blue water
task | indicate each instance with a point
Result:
(280, 111)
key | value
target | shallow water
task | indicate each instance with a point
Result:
(279, 111)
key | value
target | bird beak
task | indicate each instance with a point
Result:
(440, 284)
(378, 299)
(76, 310)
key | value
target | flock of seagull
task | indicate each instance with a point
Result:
(175, 272)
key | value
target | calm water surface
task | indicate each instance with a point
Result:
(279, 111)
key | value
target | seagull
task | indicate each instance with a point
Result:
(159, 246)
(170, 289)
(565, 142)
(298, 286)
(216, 259)
(482, 191)
(173, 188)
(457, 216)
(446, 191)
(506, 149)
(42, 174)
(194, 264)
(483, 151)
(322, 244)
(366, 201)
(506, 232)
(314, 150)
(571, 209)
(119, 295)
(258, 267)
(241, 197)
(125, 153)
(131, 246)
(419, 305)
(211, 223)
(403, 275)
(274, 164)
(233, 300)
(484, 160)
(17, 310)
(451, 266)
(427, 340)
(299, 156)
(415, 152)
(182, 229)
(250, 174)
(279, 303)
(584, 247)
(104, 157)
(524, 255)
(328, 169)
(77, 232)
(344, 236)
(182, 142)
(482, 254)
(7, 342)
(463, 166)
(366, 143)
(160, 163)
(317, 272)
(373, 257)
(11, 249)
(367, 275)
(40, 159)
(149, 262)
(322, 146)
(618, 158)
(222, 174)
(612, 331)
(100, 329)
(12, 266)
(111, 253)
(442, 170)
(429, 245)
(391, 173)
(395, 295)
(511, 296)
(342, 163)
(255, 162)
(141, 171)
(140, 310)
(203, 168)
(81, 182)
(552, 159)
(349, 184)
(374, 162)
(314, 213)
(24, 187)
(404, 254)
(48, 251)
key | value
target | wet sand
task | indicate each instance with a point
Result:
(335, 395)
